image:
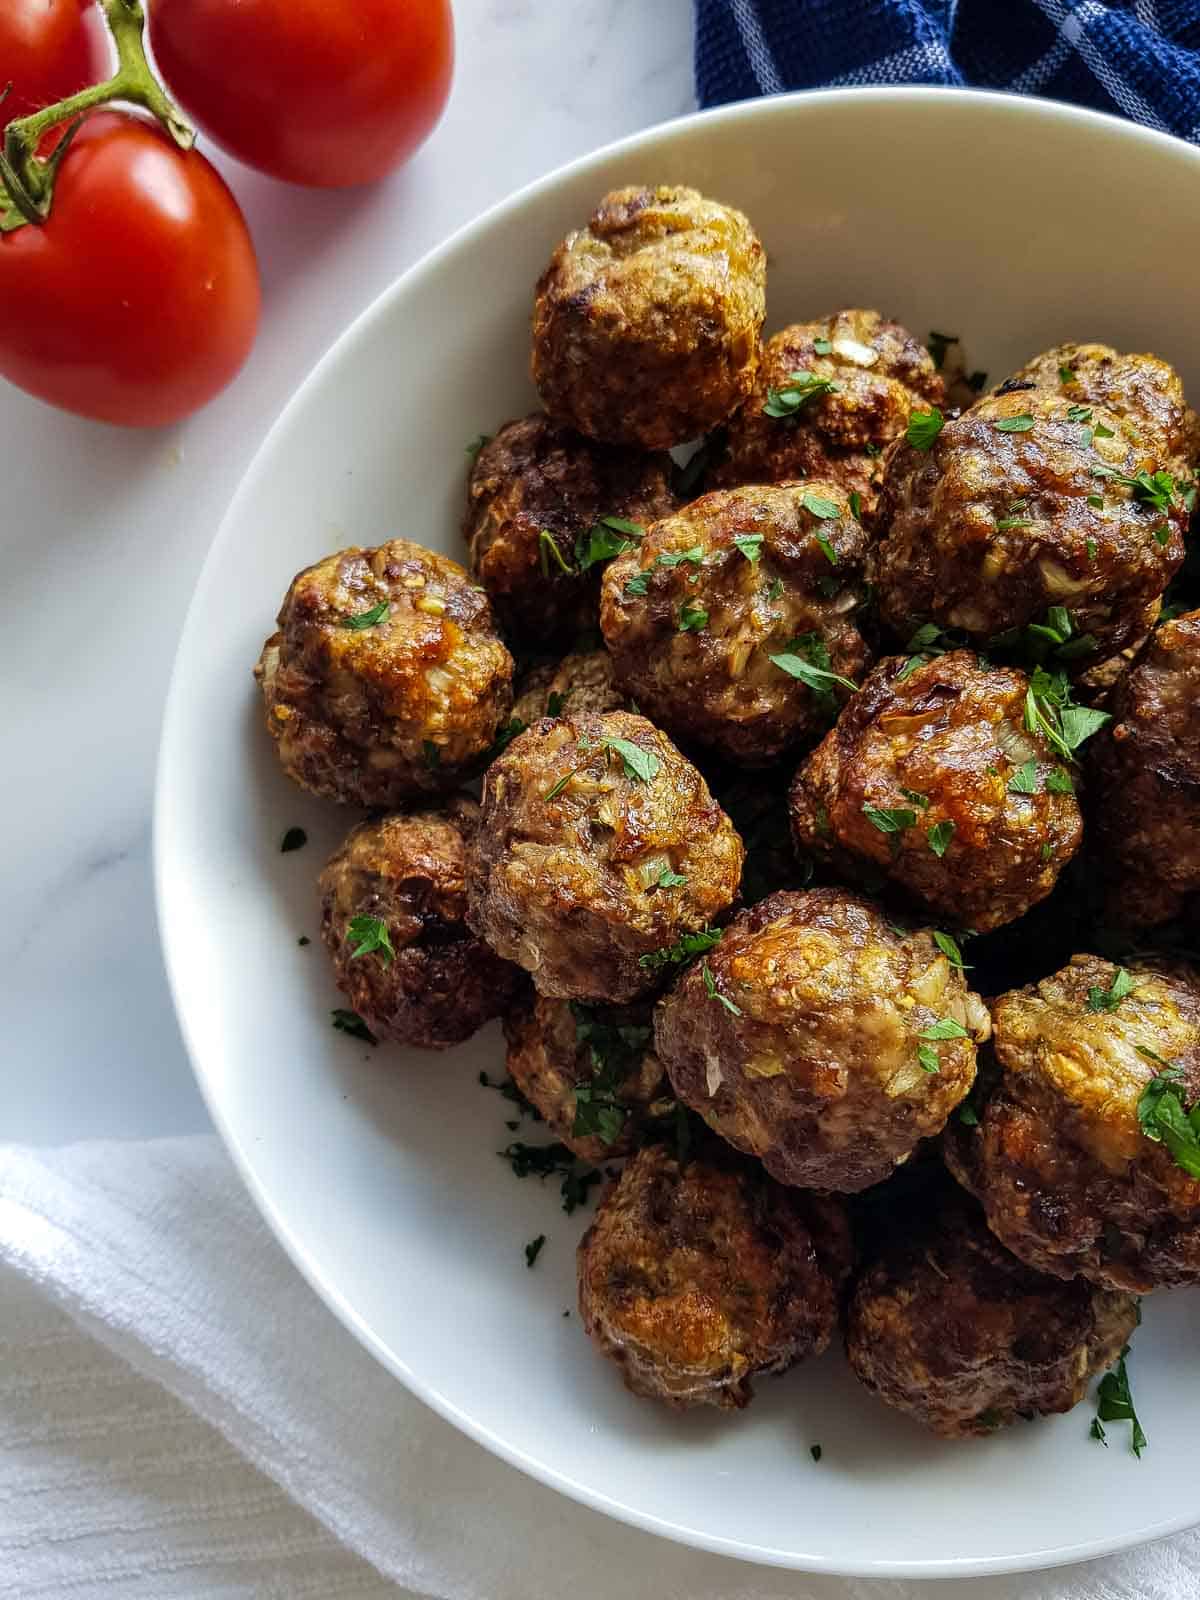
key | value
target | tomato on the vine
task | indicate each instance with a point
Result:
(48, 49)
(309, 90)
(137, 299)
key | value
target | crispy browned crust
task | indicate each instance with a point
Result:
(716, 685)
(378, 715)
(548, 1061)
(583, 681)
(1144, 390)
(534, 476)
(1146, 784)
(839, 435)
(407, 870)
(949, 1327)
(646, 322)
(554, 879)
(952, 731)
(943, 559)
(813, 1065)
(695, 1279)
(1068, 1180)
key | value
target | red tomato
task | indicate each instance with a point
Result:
(325, 92)
(48, 50)
(137, 300)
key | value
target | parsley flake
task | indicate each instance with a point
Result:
(637, 764)
(944, 1028)
(669, 879)
(293, 839)
(939, 837)
(1018, 424)
(367, 619)
(1163, 1118)
(713, 993)
(549, 552)
(937, 344)
(894, 819)
(801, 388)
(1065, 375)
(637, 585)
(950, 949)
(827, 510)
(1109, 999)
(1050, 711)
(1024, 779)
(371, 936)
(924, 427)
(807, 659)
(692, 618)
(350, 1022)
(814, 1451)
(477, 444)
(856, 505)
(534, 1249)
(684, 949)
(1114, 1403)
(823, 347)
(750, 544)
(610, 537)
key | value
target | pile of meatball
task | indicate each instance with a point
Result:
(767, 795)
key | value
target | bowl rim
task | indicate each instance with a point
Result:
(1020, 107)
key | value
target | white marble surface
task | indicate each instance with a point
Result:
(103, 534)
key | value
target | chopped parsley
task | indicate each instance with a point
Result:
(684, 949)
(937, 344)
(856, 505)
(1024, 779)
(637, 764)
(507, 1090)
(921, 801)
(1051, 711)
(615, 1051)
(1109, 999)
(1162, 534)
(775, 589)
(506, 735)
(1018, 424)
(944, 1028)
(477, 444)
(750, 544)
(814, 1451)
(303, 940)
(801, 388)
(692, 618)
(823, 347)
(553, 1160)
(367, 619)
(1059, 782)
(1114, 1403)
(549, 552)
(676, 558)
(890, 820)
(827, 550)
(669, 879)
(609, 537)
(1157, 489)
(827, 510)
(807, 659)
(1079, 413)
(293, 839)
(637, 585)
(371, 934)
(950, 949)
(555, 789)
(713, 993)
(1066, 375)
(534, 1249)
(350, 1022)
(939, 837)
(924, 427)
(1163, 1117)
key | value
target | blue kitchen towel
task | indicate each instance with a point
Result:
(1141, 59)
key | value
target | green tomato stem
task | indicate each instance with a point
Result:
(28, 180)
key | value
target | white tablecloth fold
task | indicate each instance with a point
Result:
(180, 1416)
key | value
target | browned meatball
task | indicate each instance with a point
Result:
(387, 678)
(1019, 505)
(646, 322)
(1069, 1177)
(393, 905)
(944, 1324)
(719, 615)
(535, 493)
(1144, 390)
(695, 1278)
(856, 378)
(599, 845)
(931, 780)
(1146, 784)
(583, 681)
(821, 1038)
(590, 1071)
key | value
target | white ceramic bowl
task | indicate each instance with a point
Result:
(1012, 223)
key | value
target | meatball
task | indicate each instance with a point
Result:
(599, 846)
(822, 1038)
(945, 1324)
(393, 904)
(584, 681)
(1142, 390)
(1067, 1155)
(930, 781)
(590, 1071)
(387, 678)
(732, 622)
(695, 1277)
(535, 493)
(646, 322)
(857, 378)
(1146, 772)
(1018, 505)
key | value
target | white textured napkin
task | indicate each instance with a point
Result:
(180, 1416)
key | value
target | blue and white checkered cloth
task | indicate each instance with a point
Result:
(1140, 59)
